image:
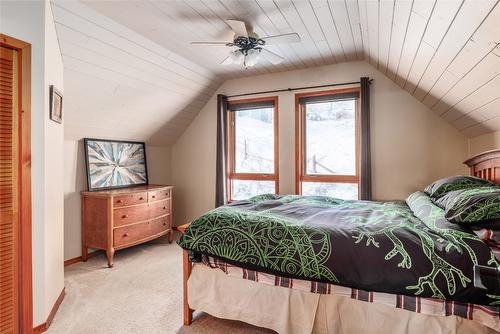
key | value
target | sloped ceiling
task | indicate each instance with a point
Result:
(118, 84)
(445, 53)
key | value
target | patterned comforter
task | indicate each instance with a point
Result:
(406, 248)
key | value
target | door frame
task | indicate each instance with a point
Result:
(25, 254)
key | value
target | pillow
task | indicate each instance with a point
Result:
(447, 198)
(442, 186)
(473, 206)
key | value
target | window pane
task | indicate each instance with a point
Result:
(330, 145)
(337, 190)
(254, 141)
(243, 189)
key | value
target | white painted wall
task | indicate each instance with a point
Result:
(159, 169)
(74, 182)
(411, 145)
(31, 21)
(158, 159)
(53, 169)
(487, 142)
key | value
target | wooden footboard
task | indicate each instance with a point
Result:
(186, 268)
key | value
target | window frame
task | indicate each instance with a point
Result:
(300, 143)
(231, 154)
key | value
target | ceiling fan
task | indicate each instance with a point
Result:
(249, 46)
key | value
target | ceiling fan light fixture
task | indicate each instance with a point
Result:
(237, 56)
(250, 48)
(252, 57)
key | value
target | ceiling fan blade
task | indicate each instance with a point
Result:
(210, 43)
(280, 39)
(227, 61)
(272, 57)
(238, 27)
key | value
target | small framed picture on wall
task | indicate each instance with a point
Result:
(55, 104)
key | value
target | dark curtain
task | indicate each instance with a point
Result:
(221, 161)
(366, 175)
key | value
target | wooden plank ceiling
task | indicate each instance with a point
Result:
(445, 53)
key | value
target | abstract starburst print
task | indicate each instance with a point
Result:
(115, 164)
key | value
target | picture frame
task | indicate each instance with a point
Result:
(114, 164)
(55, 100)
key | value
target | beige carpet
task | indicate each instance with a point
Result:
(142, 293)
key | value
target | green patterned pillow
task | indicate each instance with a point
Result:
(443, 186)
(474, 206)
(447, 198)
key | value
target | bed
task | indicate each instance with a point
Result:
(278, 262)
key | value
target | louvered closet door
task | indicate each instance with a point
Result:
(9, 196)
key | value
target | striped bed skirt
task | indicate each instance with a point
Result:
(486, 315)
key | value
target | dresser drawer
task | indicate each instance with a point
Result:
(129, 234)
(159, 225)
(130, 199)
(130, 215)
(159, 208)
(158, 195)
(133, 233)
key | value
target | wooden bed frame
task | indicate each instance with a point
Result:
(485, 165)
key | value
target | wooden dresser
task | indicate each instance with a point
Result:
(120, 218)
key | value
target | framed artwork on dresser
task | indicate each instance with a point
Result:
(115, 164)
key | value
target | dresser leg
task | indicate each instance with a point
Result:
(110, 252)
(85, 253)
(170, 236)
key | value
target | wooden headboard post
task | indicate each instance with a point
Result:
(485, 165)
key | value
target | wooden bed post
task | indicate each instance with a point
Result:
(186, 266)
(186, 272)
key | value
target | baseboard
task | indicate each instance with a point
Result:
(79, 258)
(43, 327)
(40, 328)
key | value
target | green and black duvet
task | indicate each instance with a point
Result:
(395, 247)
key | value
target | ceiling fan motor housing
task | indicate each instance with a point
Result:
(247, 43)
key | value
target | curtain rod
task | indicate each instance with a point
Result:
(297, 88)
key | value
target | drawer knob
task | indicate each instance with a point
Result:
(125, 235)
(164, 208)
(153, 196)
(125, 216)
(119, 201)
(164, 224)
(141, 199)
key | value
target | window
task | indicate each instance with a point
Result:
(327, 147)
(252, 148)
